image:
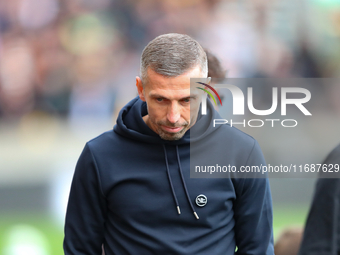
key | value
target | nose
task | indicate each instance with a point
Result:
(173, 114)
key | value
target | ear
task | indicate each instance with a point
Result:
(140, 88)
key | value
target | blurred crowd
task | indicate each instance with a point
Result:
(79, 58)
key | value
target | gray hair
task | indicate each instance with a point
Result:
(172, 55)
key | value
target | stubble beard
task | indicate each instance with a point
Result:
(174, 136)
(171, 136)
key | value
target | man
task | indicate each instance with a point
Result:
(132, 191)
(322, 230)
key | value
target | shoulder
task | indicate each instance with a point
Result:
(234, 139)
(107, 142)
(239, 135)
(244, 151)
(101, 139)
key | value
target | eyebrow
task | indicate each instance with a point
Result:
(161, 96)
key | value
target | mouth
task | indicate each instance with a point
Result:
(172, 129)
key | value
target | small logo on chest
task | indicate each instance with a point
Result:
(201, 200)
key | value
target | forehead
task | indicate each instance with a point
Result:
(157, 81)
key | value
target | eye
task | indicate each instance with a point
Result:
(186, 100)
(159, 99)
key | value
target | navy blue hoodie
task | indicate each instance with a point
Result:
(132, 193)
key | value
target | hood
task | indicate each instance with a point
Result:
(130, 124)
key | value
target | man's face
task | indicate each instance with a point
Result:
(171, 108)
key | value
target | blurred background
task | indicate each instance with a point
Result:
(68, 66)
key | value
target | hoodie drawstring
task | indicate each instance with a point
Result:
(185, 186)
(183, 182)
(170, 181)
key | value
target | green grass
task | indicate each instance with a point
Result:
(284, 216)
(288, 216)
(44, 224)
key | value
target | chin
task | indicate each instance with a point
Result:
(172, 137)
